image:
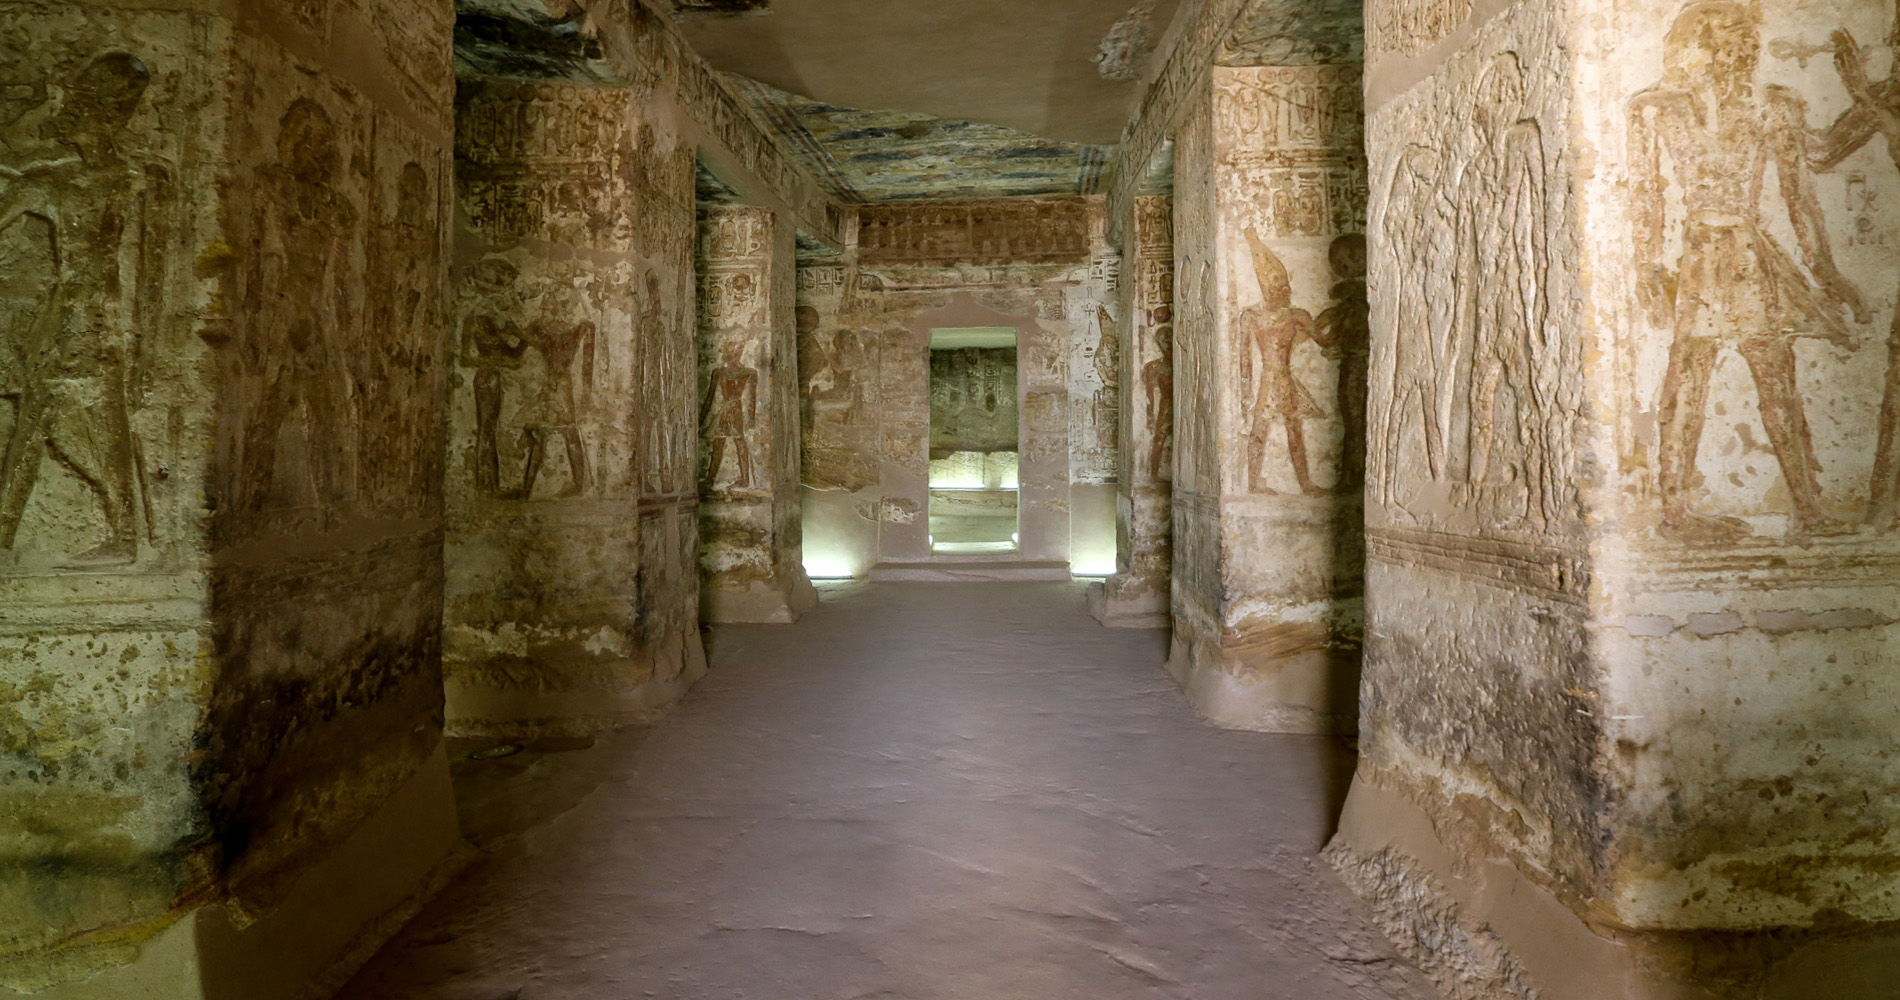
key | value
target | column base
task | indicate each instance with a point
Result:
(1482, 930)
(517, 701)
(759, 603)
(341, 910)
(1127, 601)
(1291, 683)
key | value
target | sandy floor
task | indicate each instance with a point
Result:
(956, 791)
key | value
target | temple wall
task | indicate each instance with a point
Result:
(1622, 614)
(222, 514)
(1039, 267)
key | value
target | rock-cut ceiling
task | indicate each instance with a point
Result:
(908, 99)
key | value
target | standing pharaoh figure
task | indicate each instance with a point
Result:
(405, 310)
(1413, 223)
(492, 345)
(1106, 408)
(1734, 287)
(299, 295)
(1875, 113)
(1157, 386)
(1271, 330)
(731, 405)
(1502, 310)
(79, 363)
(566, 350)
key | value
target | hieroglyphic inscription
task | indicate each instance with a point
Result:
(1408, 27)
(991, 232)
(546, 161)
(1153, 324)
(1295, 135)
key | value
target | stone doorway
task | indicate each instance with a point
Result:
(974, 433)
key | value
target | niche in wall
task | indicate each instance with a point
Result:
(974, 433)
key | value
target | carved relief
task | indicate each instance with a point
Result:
(1715, 274)
(1475, 383)
(1268, 332)
(1874, 113)
(303, 320)
(729, 413)
(546, 161)
(1295, 135)
(532, 351)
(1408, 27)
(991, 232)
(77, 201)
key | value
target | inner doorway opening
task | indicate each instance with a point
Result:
(974, 416)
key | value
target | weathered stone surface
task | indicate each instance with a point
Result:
(1270, 342)
(1137, 595)
(749, 419)
(220, 501)
(1629, 507)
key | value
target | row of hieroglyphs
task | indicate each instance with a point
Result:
(330, 352)
(1406, 27)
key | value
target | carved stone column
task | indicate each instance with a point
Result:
(1629, 705)
(573, 586)
(1137, 595)
(222, 327)
(1270, 349)
(750, 539)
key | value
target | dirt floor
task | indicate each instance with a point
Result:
(920, 791)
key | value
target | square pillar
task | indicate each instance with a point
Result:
(1270, 345)
(750, 541)
(224, 316)
(573, 588)
(1628, 716)
(1137, 595)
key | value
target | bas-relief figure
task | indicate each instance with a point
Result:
(1706, 133)
(1157, 390)
(1475, 386)
(405, 317)
(1518, 430)
(728, 413)
(1107, 366)
(1874, 113)
(1271, 330)
(303, 318)
(1416, 223)
(85, 202)
(533, 365)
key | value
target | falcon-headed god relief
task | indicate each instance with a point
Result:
(1875, 113)
(1733, 286)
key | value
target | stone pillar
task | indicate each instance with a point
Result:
(1137, 595)
(223, 311)
(1270, 339)
(750, 540)
(572, 588)
(1629, 713)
